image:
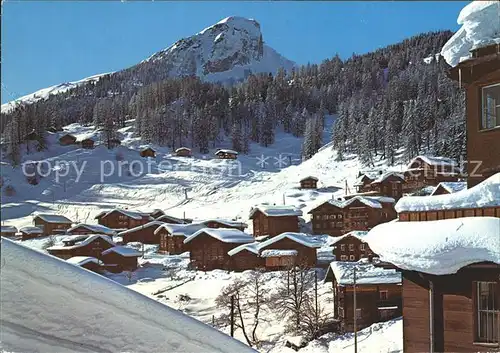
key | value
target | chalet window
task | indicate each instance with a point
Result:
(343, 257)
(352, 257)
(383, 294)
(362, 247)
(339, 216)
(332, 216)
(342, 247)
(351, 247)
(325, 216)
(332, 224)
(359, 314)
(488, 312)
(490, 107)
(339, 224)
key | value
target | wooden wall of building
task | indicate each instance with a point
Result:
(263, 225)
(447, 214)
(351, 247)
(305, 256)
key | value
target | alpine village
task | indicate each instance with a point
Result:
(416, 246)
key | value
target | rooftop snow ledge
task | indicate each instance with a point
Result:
(480, 22)
(485, 194)
(437, 247)
(67, 308)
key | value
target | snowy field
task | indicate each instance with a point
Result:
(214, 188)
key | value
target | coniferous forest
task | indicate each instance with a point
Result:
(383, 100)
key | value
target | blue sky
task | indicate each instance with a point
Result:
(46, 43)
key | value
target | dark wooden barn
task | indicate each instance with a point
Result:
(87, 262)
(226, 154)
(425, 171)
(351, 247)
(378, 294)
(304, 246)
(246, 257)
(82, 228)
(449, 188)
(52, 223)
(224, 223)
(209, 247)
(183, 152)
(8, 231)
(144, 233)
(172, 236)
(82, 245)
(273, 220)
(30, 232)
(148, 152)
(120, 258)
(67, 139)
(87, 143)
(309, 182)
(119, 219)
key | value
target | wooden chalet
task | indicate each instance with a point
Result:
(335, 217)
(425, 171)
(289, 249)
(449, 188)
(224, 223)
(144, 233)
(273, 220)
(451, 281)
(8, 231)
(351, 247)
(226, 154)
(67, 139)
(388, 184)
(88, 262)
(52, 224)
(30, 232)
(309, 182)
(82, 229)
(172, 236)
(119, 219)
(482, 200)
(87, 143)
(82, 245)
(172, 220)
(183, 152)
(378, 294)
(148, 152)
(120, 258)
(156, 213)
(481, 76)
(209, 247)
(246, 257)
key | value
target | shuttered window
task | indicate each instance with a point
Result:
(487, 311)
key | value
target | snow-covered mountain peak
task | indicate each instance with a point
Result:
(233, 46)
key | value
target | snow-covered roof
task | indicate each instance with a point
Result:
(166, 218)
(437, 247)
(183, 149)
(83, 242)
(480, 28)
(8, 229)
(154, 223)
(123, 251)
(225, 151)
(53, 218)
(370, 201)
(366, 273)
(226, 235)
(435, 161)
(148, 148)
(278, 253)
(82, 260)
(31, 230)
(300, 238)
(384, 176)
(114, 317)
(309, 177)
(130, 214)
(226, 222)
(276, 210)
(372, 175)
(184, 230)
(451, 186)
(484, 194)
(252, 247)
(94, 228)
(359, 234)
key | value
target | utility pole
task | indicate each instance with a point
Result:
(283, 198)
(232, 316)
(186, 193)
(316, 310)
(355, 317)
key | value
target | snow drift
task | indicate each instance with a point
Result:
(49, 305)
(480, 22)
(437, 247)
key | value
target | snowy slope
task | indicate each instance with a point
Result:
(228, 51)
(44, 93)
(49, 305)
